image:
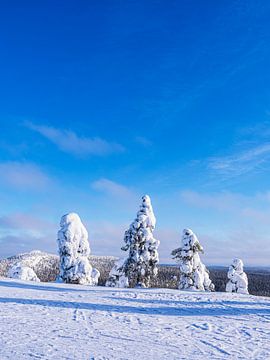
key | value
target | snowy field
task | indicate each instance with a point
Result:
(60, 321)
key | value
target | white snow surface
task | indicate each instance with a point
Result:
(78, 322)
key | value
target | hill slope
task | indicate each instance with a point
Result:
(59, 321)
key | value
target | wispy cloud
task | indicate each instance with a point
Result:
(110, 187)
(143, 141)
(24, 176)
(106, 238)
(230, 225)
(22, 232)
(242, 162)
(23, 221)
(219, 201)
(68, 141)
(253, 209)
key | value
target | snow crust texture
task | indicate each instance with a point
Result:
(74, 250)
(141, 264)
(238, 281)
(193, 273)
(75, 322)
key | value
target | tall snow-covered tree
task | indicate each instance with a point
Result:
(193, 273)
(74, 249)
(141, 264)
(238, 281)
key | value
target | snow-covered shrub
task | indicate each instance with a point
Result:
(238, 281)
(18, 271)
(74, 249)
(141, 264)
(193, 273)
(117, 277)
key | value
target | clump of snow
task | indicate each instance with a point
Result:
(238, 281)
(19, 271)
(193, 273)
(141, 264)
(74, 250)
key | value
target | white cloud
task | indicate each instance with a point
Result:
(23, 221)
(22, 232)
(231, 225)
(68, 141)
(256, 206)
(24, 176)
(218, 201)
(241, 163)
(106, 238)
(110, 187)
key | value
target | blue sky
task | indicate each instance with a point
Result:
(101, 102)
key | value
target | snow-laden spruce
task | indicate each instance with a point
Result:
(193, 273)
(74, 249)
(141, 264)
(238, 281)
(19, 271)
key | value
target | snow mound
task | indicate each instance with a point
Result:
(21, 272)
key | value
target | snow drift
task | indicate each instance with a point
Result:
(19, 271)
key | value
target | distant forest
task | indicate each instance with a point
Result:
(47, 269)
(259, 278)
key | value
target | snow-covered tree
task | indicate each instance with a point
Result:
(117, 277)
(193, 273)
(19, 271)
(74, 249)
(238, 281)
(141, 264)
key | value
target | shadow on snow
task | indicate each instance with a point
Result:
(167, 311)
(195, 303)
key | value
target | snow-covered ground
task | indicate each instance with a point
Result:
(60, 321)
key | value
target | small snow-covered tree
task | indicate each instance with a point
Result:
(193, 273)
(19, 271)
(74, 249)
(141, 264)
(238, 281)
(117, 277)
